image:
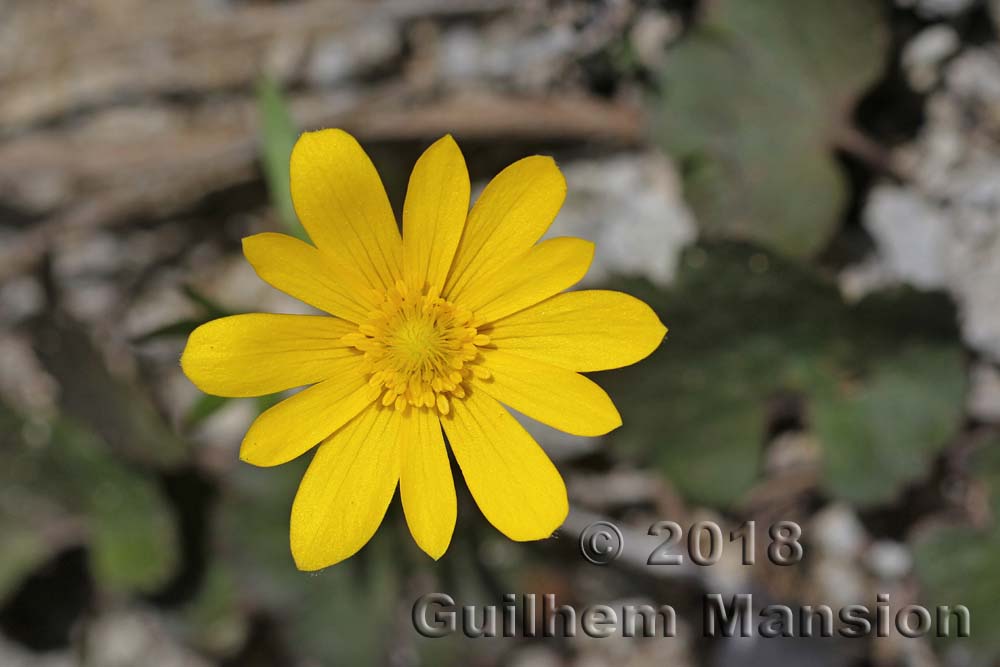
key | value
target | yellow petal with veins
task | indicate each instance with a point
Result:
(437, 203)
(425, 483)
(308, 274)
(589, 330)
(511, 214)
(340, 200)
(346, 490)
(555, 396)
(514, 483)
(298, 423)
(547, 269)
(260, 353)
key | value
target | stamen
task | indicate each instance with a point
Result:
(419, 349)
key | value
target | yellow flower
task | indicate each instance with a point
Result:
(433, 328)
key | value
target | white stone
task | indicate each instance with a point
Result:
(942, 229)
(984, 393)
(131, 637)
(840, 581)
(838, 532)
(651, 32)
(536, 656)
(503, 54)
(923, 55)
(630, 205)
(344, 55)
(14, 655)
(937, 8)
(95, 254)
(890, 560)
(911, 234)
(976, 75)
(24, 384)
(20, 298)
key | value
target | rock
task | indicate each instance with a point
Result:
(910, 232)
(96, 254)
(942, 231)
(20, 298)
(889, 560)
(973, 78)
(956, 247)
(630, 205)
(130, 637)
(461, 55)
(340, 57)
(839, 582)
(650, 34)
(932, 9)
(503, 55)
(923, 55)
(24, 384)
(14, 655)
(859, 279)
(984, 393)
(536, 656)
(839, 538)
(794, 450)
(838, 532)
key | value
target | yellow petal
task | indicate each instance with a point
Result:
(589, 330)
(261, 353)
(548, 268)
(437, 202)
(306, 273)
(340, 200)
(425, 484)
(514, 483)
(555, 396)
(298, 423)
(346, 490)
(511, 214)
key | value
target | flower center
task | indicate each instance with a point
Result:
(418, 350)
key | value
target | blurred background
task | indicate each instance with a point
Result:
(807, 191)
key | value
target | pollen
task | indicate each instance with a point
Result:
(418, 350)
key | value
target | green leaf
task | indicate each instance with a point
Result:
(278, 135)
(753, 99)
(132, 542)
(882, 381)
(74, 477)
(893, 423)
(957, 564)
